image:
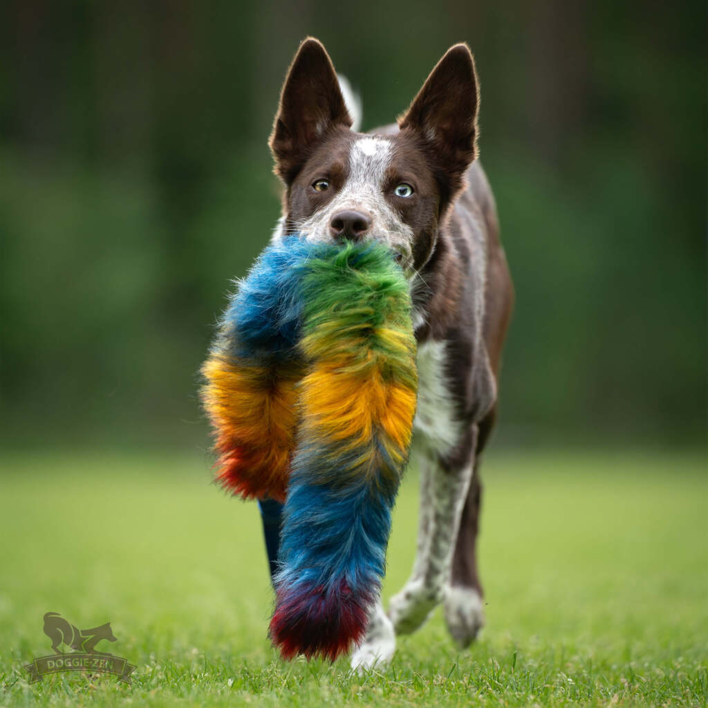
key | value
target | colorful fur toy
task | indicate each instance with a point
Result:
(252, 374)
(311, 388)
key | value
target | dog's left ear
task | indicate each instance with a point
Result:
(311, 104)
(444, 115)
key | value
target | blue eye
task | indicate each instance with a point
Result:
(321, 185)
(403, 190)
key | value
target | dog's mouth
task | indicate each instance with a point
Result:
(402, 254)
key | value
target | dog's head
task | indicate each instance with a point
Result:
(396, 187)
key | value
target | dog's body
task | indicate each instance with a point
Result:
(417, 187)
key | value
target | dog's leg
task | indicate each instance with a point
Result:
(442, 501)
(379, 645)
(464, 613)
(425, 511)
(272, 519)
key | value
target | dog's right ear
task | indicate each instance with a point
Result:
(311, 104)
(443, 117)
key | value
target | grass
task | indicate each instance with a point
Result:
(595, 568)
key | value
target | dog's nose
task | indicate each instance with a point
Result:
(353, 225)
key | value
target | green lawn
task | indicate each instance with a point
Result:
(595, 568)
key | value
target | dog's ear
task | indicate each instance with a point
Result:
(311, 104)
(443, 116)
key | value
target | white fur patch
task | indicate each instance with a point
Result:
(464, 614)
(435, 421)
(379, 645)
(411, 607)
(370, 146)
(417, 318)
(277, 235)
(368, 160)
(352, 100)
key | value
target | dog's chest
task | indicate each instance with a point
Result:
(435, 427)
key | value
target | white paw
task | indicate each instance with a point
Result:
(464, 615)
(378, 647)
(411, 607)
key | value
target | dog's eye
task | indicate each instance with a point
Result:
(322, 185)
(403, 190)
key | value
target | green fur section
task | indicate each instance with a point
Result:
(353, 293)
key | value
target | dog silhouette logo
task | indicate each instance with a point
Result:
(82, 654)
(61, 632)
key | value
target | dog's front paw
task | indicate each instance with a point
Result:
(412, 606)
(463, 614)
(378, 646)
(374, 654)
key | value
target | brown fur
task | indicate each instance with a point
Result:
(311, 105)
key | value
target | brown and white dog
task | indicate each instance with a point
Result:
(417, 187)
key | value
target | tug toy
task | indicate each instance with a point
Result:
(311, 391)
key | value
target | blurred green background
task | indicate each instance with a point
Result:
(595, 570)
(135, 182)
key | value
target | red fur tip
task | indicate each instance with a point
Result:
(318, 622)
(232, 478)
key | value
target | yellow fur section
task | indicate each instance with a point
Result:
(331, 339)
(360, 391)
(354, 408)
(253, 410)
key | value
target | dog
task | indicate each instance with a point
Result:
(80, 640)
(418, 187)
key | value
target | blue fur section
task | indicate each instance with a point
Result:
(265, 315)
(334, 533)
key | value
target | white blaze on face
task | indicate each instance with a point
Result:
(369, 159)
(371, 146)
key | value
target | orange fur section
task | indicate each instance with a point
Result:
(356, 405)
(253, 412)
